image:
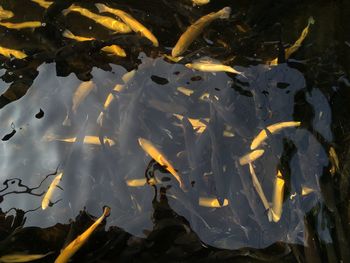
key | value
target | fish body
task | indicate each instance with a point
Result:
(77, 243)
(258, 188)
(46, 199)
(81, 93)
(196, 29)
(13, 258)
(200, 2)
(159, 157)
(105, 21)
(185, 91)
(278, 193)
(140, 182)
(43, 3)
(5, 14)
(198, 125)
(68, 34)
(251, 157)
(211, 202)
(88, 139)
(8, 52)
(262, 136)
(23, 25)
(135, 25)
(212, 67)
(114, 50)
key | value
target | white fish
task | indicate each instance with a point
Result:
(211, 67)
(46, 199)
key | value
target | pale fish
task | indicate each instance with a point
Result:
(193, 31)
(46, 199)
(68, 34)
(306, 190)
(275, 212)
(77, 243)
(211, 202)
(88, 139)
(173, 59)
(43, 3)
(5, 14)
(114, 50)
(251, 157)
(258, 188)
(207, 66)
(81, 93)
(105, 21)
(13, 258)
(8, 52)
(204, 96)
(289, 51)
(159, 157)
(262, 136)
(140, 182)
(200, 2)
(333, 157)
(185, 91)
(196, 123)
(135, 25)
(22, 25)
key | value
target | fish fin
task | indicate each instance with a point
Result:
(225, 12)
(101, 7)
(66, 11)
(66, 121)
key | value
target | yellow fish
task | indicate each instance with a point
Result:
(29, 24)
(211, 67)
(42, 3)
(278, 193)
(258, 188)
(306, 190)
(105, 21)
(333, 157)
(46, 200)
(159, 157)
(289, 51)
(200, 2)
(211, 202)
(5, 14)
(114, 50)
(77, 243)
(13, 258)
(135, 25)
(251, 157)
(185, 91)
(140, 182)
(8, 52)
(196, 29)
(68, 34)
(81, 93)
(196, 123)
(262, 136)
(88, 139)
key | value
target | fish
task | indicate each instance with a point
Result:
(46, 199)
(207, 66)
(114, 50)
(13, 258)
(5, 14)
(77, 243)
(333, 157)
(258, 188)
(81, 93)
(88, 139)
(200, 2)
(159, 157)
(306, 190)
(135, 25)
(289, 51)
(193, 31)
(251, 157)
(107, 22)
(275, 212)
(22, 25)
(43, 3)
(141, 182)
(68, 34)
(8, 52)
(185, 91)
(211, 202)
(262, 136)
(196, 123)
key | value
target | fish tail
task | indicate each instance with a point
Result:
(100, 119)
(225, 12)
(67, 33)
(311, 21)
(102, 8)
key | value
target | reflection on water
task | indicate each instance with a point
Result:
(75, 122)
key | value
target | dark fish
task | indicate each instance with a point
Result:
(159, 80)
(9, 136)
(40, 114)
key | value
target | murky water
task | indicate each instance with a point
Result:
(71, 108)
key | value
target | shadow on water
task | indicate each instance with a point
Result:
(82, 128)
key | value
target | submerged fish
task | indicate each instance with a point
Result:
(22, 25)
(114, 50)
(200, 2)
(135, 25)
(262, 136)
(5, 14)
(211, 202)
(196, 29)
(306, 190)
(159, 157)
(275, 212)
(46, 200)
(251, 157)
(196, 123)
(88, 139)
(140, 182)
(207, 66)
(289, 51)
(77, 243)
(333, 157)
(68, 34)
(81, 93)
(105, 21)
(258, 188)
(8, 52)
(13, 258)
(43, 3)
(185, 91)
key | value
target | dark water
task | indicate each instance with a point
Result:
(45, 132)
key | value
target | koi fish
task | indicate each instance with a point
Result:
(29, 24)
(46, 199)
(333, 157)
(289, 51)
(196, 29)
(185, 91)
(43, 3)
(81, 93)
(8, 52)
(257, 187)
(251, 157)
(68, 34)
(105, 21)
(200, 2)
(211, 202)
(206, 66)
(88, 139)
(196, 123)
(262, 136)
(114, 50)
(135, 25)
(5, 14)
(306, 190)
(159, 157)
(77, 243)
(13, 258)
(140, 182)
(275, 212)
